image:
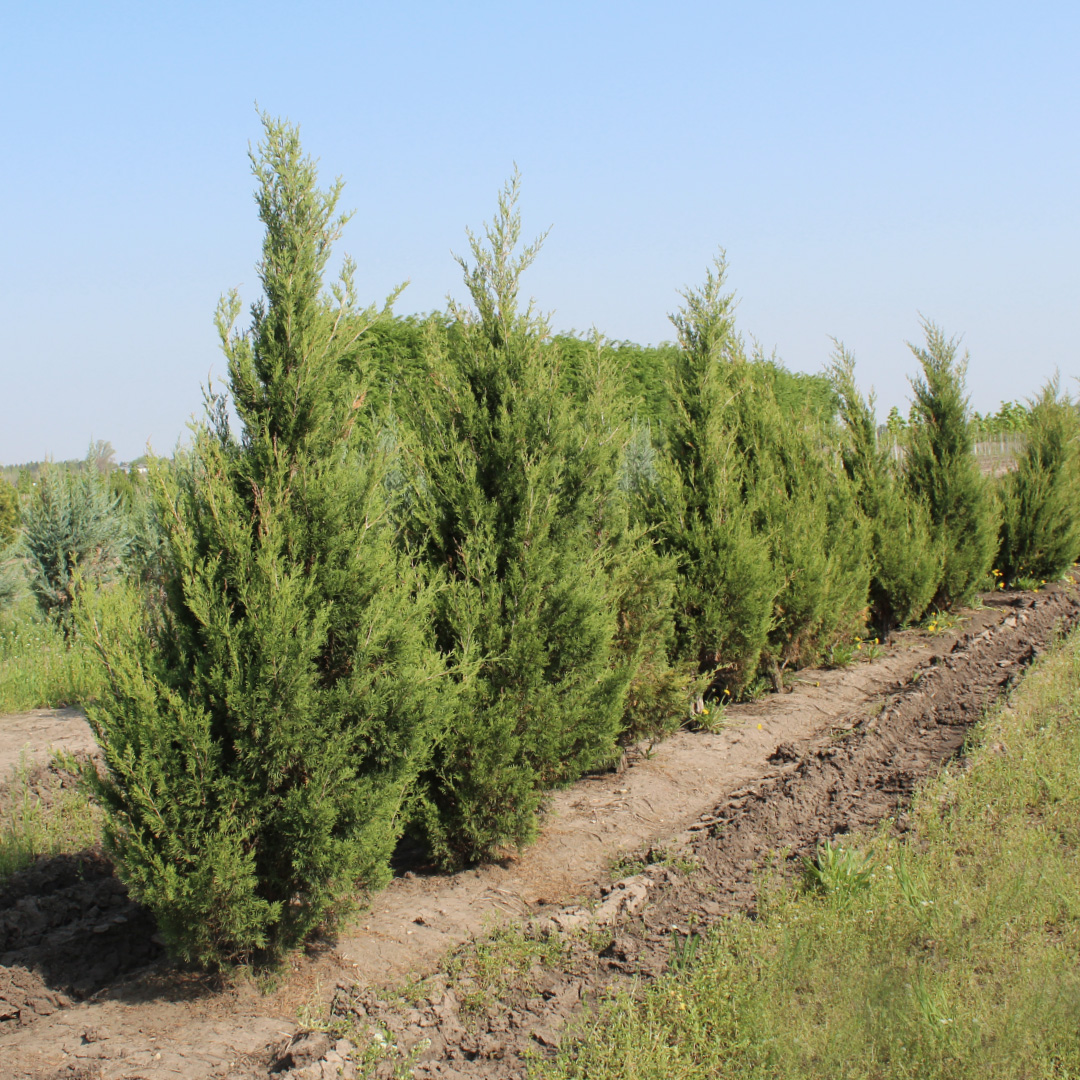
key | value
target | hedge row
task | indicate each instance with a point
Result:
(447, 564)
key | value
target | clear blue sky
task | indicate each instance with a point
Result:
(861, 163)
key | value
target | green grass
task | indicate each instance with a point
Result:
(38, 668)
(483, 968)
(954, 955)
(40, 816)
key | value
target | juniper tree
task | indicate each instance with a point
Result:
(806, 507)
(766, 532)
(263, 728)
(1040, 498)
(941, 469)
(907, 560)
(517, 508)
(696, 505)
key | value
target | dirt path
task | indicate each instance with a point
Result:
(29, 739)
(838, 752)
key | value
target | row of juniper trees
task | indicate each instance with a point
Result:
(445, 565)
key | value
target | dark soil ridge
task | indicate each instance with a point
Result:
(822, 789)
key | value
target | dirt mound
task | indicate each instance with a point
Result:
(69, 922)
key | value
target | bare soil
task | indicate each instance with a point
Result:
(84, 990)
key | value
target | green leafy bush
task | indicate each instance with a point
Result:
(942, 472)
(264, 726)
(1040, 499)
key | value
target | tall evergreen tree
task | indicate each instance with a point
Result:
(697, 506)
(907, 560)
(517, 507)
(1040, 529)
(263, 728)
(941, 469)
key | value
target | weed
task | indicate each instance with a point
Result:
(841, 655)
(713, 714)
(939, 623)
(630, 864)
(837, 870)
(683, 951)
(39, 667)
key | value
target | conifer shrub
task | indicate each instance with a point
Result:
(71, 524)
(765, 527)
(264, 725)
(696, 504)
(1040, 499)
(805, 505)
(942, 472)
(518, 508)
(906, 559)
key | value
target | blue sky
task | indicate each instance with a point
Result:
(861, 164)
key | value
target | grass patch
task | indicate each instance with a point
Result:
(38, 667)
(43, 811)
(481, 970)
(955, 954)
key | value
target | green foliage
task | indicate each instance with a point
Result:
(9, 513)
(546, 589)
(942, 472)
(770, 542)
(1011, 418)
(41, 666)
(131, 487)
(838, 870)
(907, 560)
(42, 812)
(1040, 499)
(71, 522)
(807, 507)
(695, 501)
(263, 727)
